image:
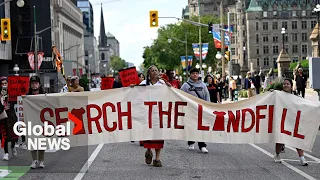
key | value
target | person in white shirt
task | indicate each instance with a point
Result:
(65, 87)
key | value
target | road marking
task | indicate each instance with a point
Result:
(86, 166)
(285, 163)
(305, 154)
(296, 160)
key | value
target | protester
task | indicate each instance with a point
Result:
(287, 87)
(257, 82)
(213, 89)
(65, 87)
(175, 83)
(153, 79)
(249, 84)
(232, 87)
(225, 84)
(220, 88)
(75, 87)
(117, 82)
(141, 77)
(197, 88)
(301, 82)
(6, 125)
(34, 89)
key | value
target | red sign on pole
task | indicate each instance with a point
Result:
(129, 76)
(17, 86)
(107, 83)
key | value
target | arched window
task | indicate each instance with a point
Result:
(102, 56)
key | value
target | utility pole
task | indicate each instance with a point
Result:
(200, 43)
(35, 41)
(229, 47)
(222, 40)
(187, 60)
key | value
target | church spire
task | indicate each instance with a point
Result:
(103, 37)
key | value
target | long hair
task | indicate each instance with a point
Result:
(291, 83)
(206, 79)
(148, 75)
(142, 75)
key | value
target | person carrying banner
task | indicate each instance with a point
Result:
(287, 87)
(34, 89)
(6, 124)
(197, 88)
(174, 83)
(75, 87)
(141, 77)
(153, 79)
(65, 87)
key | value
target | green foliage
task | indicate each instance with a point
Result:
(276, 85)
(304, 64)
(243, 93)
(116, 63)
(84, 82)
(167, 55)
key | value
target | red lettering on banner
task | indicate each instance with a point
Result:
(162, 113)
(270, 123)
(122, 114)
(78, 113)
(60, 120)
(200, 126)
(105, 116)
(244, 111)
(259, 116)
(95, 119)
(150, 104)
(219, 122)
(177, 114)
(296, 127)
(283, 119)
(42, 118)
(234, 121)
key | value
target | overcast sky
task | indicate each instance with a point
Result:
(128, 21)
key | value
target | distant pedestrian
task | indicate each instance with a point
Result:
(212, 88)
(301, 82)
(257, 82)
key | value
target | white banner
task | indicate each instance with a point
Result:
(160, 112)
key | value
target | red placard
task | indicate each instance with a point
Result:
(17, 86)
(107, 83)
(129, 76)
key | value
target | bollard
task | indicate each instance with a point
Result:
(236, 95)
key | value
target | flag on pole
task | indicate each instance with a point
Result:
(205, 48)
(196, 50)
(183, 61)
(190, 59)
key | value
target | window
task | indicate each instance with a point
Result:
(274, 25)
(265, 14)
(275, 64)
(265, 38)
(294, 36)
(313, 24)
(286, 38)
(102, 57)
(294, 24)
(275, 49)
(257, 26)
(304, 24)
(275, 38)
(294, 48)
(265, 49)
(257, 38)
(286, 48)
(265, 26)
(233, 40)
(303, 58)
(294, 13)
(258, 62)
(304, 48)
(274, 13)
(285, 25)
(233, 51)
(295, 59)
(303, 13)
(258, 50)
(266, 61)
(304, 36)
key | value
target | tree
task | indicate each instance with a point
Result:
(167, 56)
(116, 63)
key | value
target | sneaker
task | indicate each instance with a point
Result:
(41, 165)
(204, 150)
(277, 158)
(23, 146)
(34, 164)
(283, 149)
(191, 147)
(14, 151)
(303, 161)
(157, 163)
(6, 157)
(148, 156)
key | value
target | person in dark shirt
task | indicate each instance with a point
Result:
(257, 82)
(212, 88)
(174, 83)
(117, 82)
(301, 82)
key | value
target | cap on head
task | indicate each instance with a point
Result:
(34, 79)
(300, 69)
(53, 46)
(74, 77)
(194, 70)
(3, 78)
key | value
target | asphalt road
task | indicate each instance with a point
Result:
(126, 161)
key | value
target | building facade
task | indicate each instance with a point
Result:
(86, 7)
(264, 21)
(114, 45)
(5, 46)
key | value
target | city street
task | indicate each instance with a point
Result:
(126, 161)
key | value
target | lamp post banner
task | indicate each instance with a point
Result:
(190, 59)
(205, 48)
(183, 62)
(196, 50)
(161, 112)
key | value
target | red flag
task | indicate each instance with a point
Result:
(107, 83)
(129, 76)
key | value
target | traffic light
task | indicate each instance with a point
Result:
(5, 29)
(154, 18)
(210, 27)
(227, 55)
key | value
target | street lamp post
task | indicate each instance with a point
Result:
(283, 32)
(16, 69)
(35, 41)
(20, 3)
(317, 10)
(200, 43)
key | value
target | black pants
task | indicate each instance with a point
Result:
(23, 139)
(232, 94)
(200, 144)
(302, 90)
(6, 146)
(257, 90)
